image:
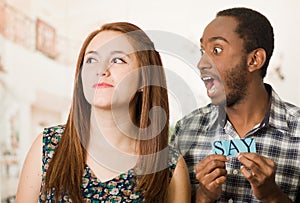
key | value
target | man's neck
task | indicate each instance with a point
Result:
(249, 112)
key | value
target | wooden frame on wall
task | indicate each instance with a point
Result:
(45, 38)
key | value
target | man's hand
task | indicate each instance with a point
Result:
(211, 174)
(260, 172)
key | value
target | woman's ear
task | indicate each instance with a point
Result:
(256, 59)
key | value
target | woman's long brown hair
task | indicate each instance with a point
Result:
(64, 175)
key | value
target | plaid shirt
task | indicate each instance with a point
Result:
(277, 137)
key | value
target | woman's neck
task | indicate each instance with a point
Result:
(116, 128)
(110, 148)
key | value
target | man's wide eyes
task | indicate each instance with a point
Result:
(217, 50)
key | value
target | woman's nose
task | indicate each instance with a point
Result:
(106, 72)
(103, 70)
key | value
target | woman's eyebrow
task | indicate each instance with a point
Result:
(111, 53)
(120, 52)
(90, 52)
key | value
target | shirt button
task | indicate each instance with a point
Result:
(235, 172)
(230, 201)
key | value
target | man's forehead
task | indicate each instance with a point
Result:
(221, 28)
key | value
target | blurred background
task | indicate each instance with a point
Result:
(40, 41)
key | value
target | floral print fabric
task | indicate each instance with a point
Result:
(117, 190)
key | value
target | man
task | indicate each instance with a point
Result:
(236, 49)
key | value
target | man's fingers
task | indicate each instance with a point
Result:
(247, 174)
(246, 158)
(209, 177)
(258, 164)
(210, 162)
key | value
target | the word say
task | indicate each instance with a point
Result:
(232, 147)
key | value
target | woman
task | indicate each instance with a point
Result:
(114, 146)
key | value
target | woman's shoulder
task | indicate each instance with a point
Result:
(53, 132)
(51, 138)
(173, 159)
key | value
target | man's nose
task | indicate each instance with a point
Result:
(205, 62)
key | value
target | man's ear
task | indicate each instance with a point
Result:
(256, 59)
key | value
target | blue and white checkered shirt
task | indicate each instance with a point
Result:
(277, 137)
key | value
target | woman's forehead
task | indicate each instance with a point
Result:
(109, 41)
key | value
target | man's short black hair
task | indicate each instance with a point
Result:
(255, 29)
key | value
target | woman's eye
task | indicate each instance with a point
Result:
(118, 60)
(91, 60)
(217, 50)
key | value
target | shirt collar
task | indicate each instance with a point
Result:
(275, 115)
(265, 121)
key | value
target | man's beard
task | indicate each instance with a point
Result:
(236, 81)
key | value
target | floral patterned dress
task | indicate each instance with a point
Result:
(117, 190)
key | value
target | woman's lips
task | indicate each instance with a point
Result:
(102, 85)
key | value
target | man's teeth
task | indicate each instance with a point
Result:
(212, 89)
(207, 78)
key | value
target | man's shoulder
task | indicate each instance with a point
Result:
(284, 107)
(292, 114)
(284, 115)
(292, 110)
